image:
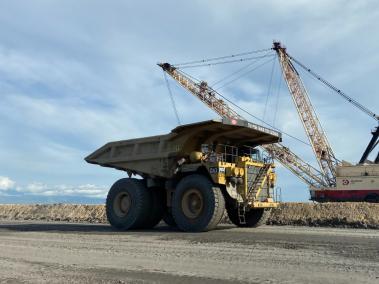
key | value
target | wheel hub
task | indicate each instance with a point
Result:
(192, 203)
(122, 204)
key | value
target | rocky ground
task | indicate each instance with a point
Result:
(61, 244)
(60, 252)
(353, 215)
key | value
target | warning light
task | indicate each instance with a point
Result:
(234, 122)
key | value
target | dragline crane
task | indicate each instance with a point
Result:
(214, 101)
(335, 181)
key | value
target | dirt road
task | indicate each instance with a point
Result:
(87, 253)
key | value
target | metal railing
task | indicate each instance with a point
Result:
(277, 194)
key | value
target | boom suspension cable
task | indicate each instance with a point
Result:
(277, 98)
(341, 93)
(245, 73)
(225, 62)
(180, 66)
(171, 98)
(221, 57)
(269, 89)
(234, 73)
(260, 120)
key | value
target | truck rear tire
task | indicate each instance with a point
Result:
(157, 209)
(197, 204)
(128, 204)
(253, 218)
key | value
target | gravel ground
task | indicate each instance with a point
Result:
(57, 252)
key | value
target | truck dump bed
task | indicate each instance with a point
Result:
(157, 156)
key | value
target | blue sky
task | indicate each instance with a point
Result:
(77, 74)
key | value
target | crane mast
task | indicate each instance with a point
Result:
(212, 99)
(375, 138)
(316, 135)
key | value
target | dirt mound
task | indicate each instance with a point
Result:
(354, 215)
(54, 212)
(346, 214)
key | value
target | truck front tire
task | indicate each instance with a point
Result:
(128, 204)
(197, 204)
(253, 217)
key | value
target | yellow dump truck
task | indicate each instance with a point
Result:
(190, 176)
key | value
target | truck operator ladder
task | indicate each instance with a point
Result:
(316, 135)
(213, 100)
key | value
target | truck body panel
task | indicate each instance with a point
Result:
(157, 156)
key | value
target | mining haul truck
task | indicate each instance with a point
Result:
(190, 176)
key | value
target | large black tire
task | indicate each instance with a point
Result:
(253, 218)
(157, 209)
(197, 204)
(128, 204)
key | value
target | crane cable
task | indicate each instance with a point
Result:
(234, 73)
(172, 98)
(224, 62)
(243, 74)
(230, 75)
(221, 57)
(277, 98)
(231, 102)
(203, 62)
(338, 91)
(259, 119)
(269, 89)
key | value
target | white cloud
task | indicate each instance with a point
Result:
(85, 190)
(6, 183)
(35, 187)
